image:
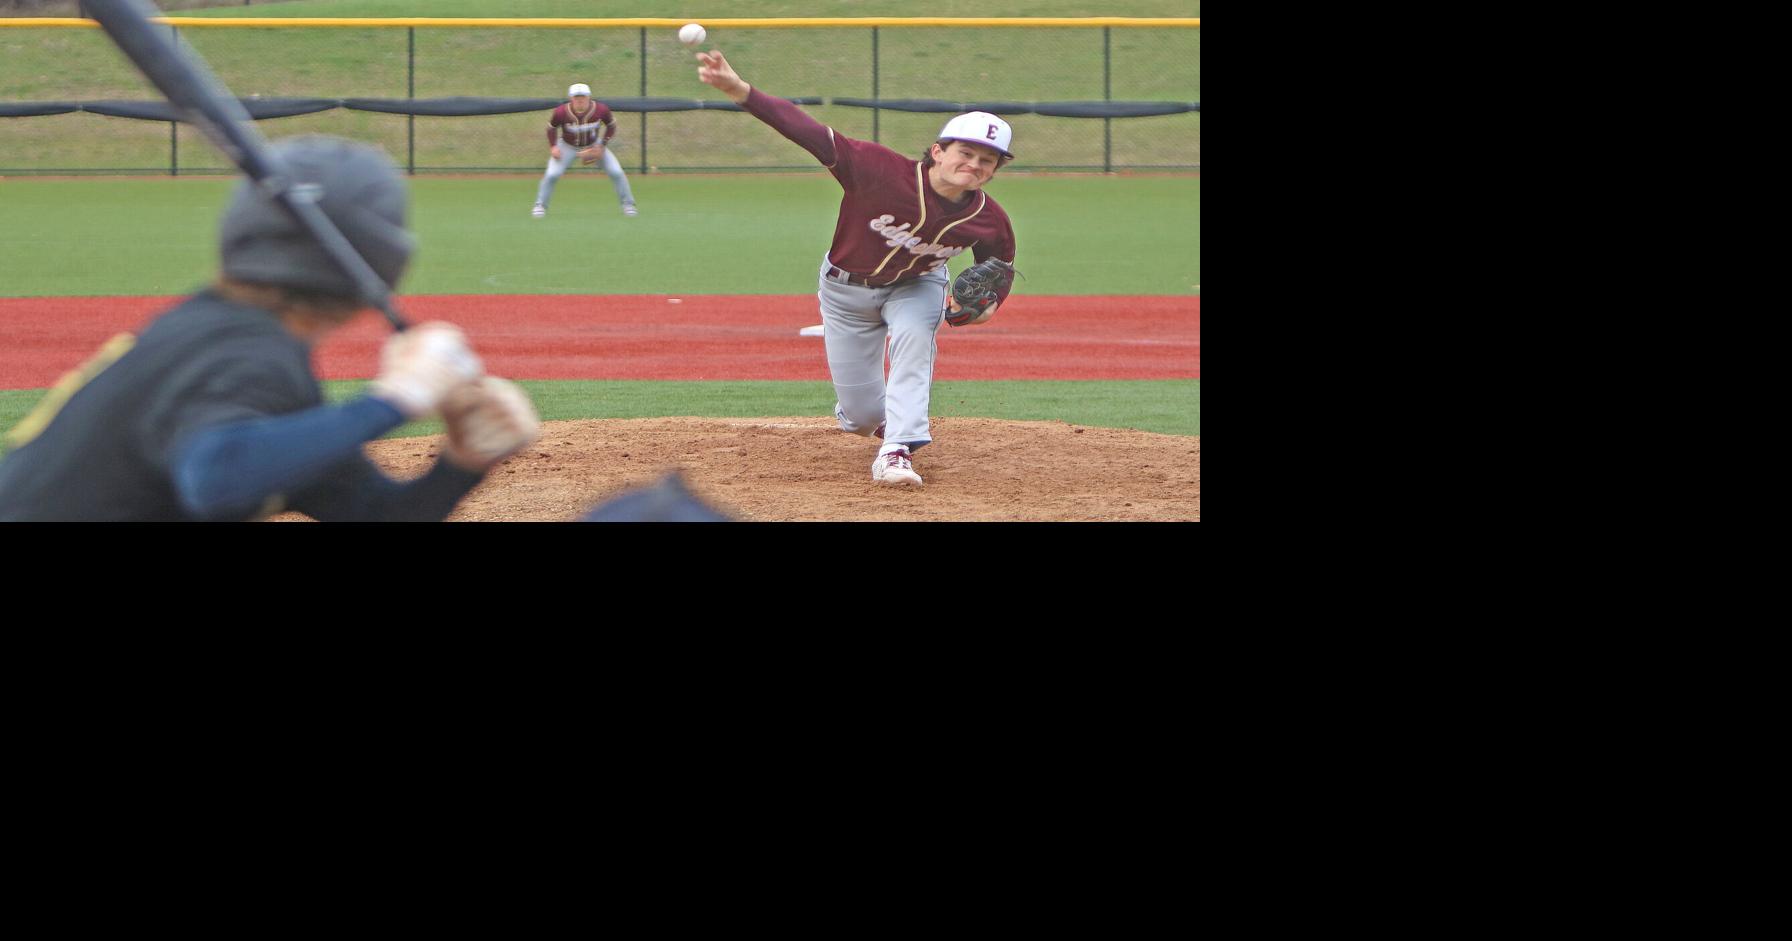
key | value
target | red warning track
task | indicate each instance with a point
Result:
(647, 336)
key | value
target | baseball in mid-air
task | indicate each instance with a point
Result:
(691, 34)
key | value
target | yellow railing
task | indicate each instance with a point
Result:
(468, 22)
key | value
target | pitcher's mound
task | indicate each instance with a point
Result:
(806, 469)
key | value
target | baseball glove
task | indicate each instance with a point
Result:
(977, 288)
(591, 155)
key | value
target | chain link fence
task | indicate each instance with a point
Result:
(964, 64)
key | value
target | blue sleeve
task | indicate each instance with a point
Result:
(357, 491)
(232, 470)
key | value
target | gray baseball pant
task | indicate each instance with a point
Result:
(856, 324)
(569, 153)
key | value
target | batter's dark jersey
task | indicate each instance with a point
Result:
(892, 226)
(109, 453)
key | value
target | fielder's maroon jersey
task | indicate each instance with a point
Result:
(893, 226)
(580, 130)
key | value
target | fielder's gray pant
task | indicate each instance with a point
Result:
(855, 324)
(568, 154)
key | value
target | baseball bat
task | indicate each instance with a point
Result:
(203, 101)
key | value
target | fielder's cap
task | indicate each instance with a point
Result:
(579, 89)
(360, 190)
(980, 127)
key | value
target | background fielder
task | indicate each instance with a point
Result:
(573, 132)
(884, 276)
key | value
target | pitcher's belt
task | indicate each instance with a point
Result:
(835, 274)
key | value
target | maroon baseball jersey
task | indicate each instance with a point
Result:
(892, 226)
(580, 130)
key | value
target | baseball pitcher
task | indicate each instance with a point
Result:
(883, 280)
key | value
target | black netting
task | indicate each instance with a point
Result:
(33, 109)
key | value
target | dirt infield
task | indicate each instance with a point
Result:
(806, 470)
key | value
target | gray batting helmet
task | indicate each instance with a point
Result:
(361, 191)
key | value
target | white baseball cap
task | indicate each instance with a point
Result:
(579, 89)
(980, 127)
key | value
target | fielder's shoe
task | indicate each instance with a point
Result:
(880, 430)
(538, 211)
(892, 469)
(630, 211)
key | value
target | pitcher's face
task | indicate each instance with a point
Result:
(965, 164)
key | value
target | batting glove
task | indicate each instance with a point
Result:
(488, 421)
(419, 366)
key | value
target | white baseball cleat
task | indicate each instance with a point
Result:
(538, 211)
(630, 211)
(892, 469)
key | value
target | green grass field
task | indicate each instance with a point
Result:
(46, 64)
(1171, 407)
(753, 234)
